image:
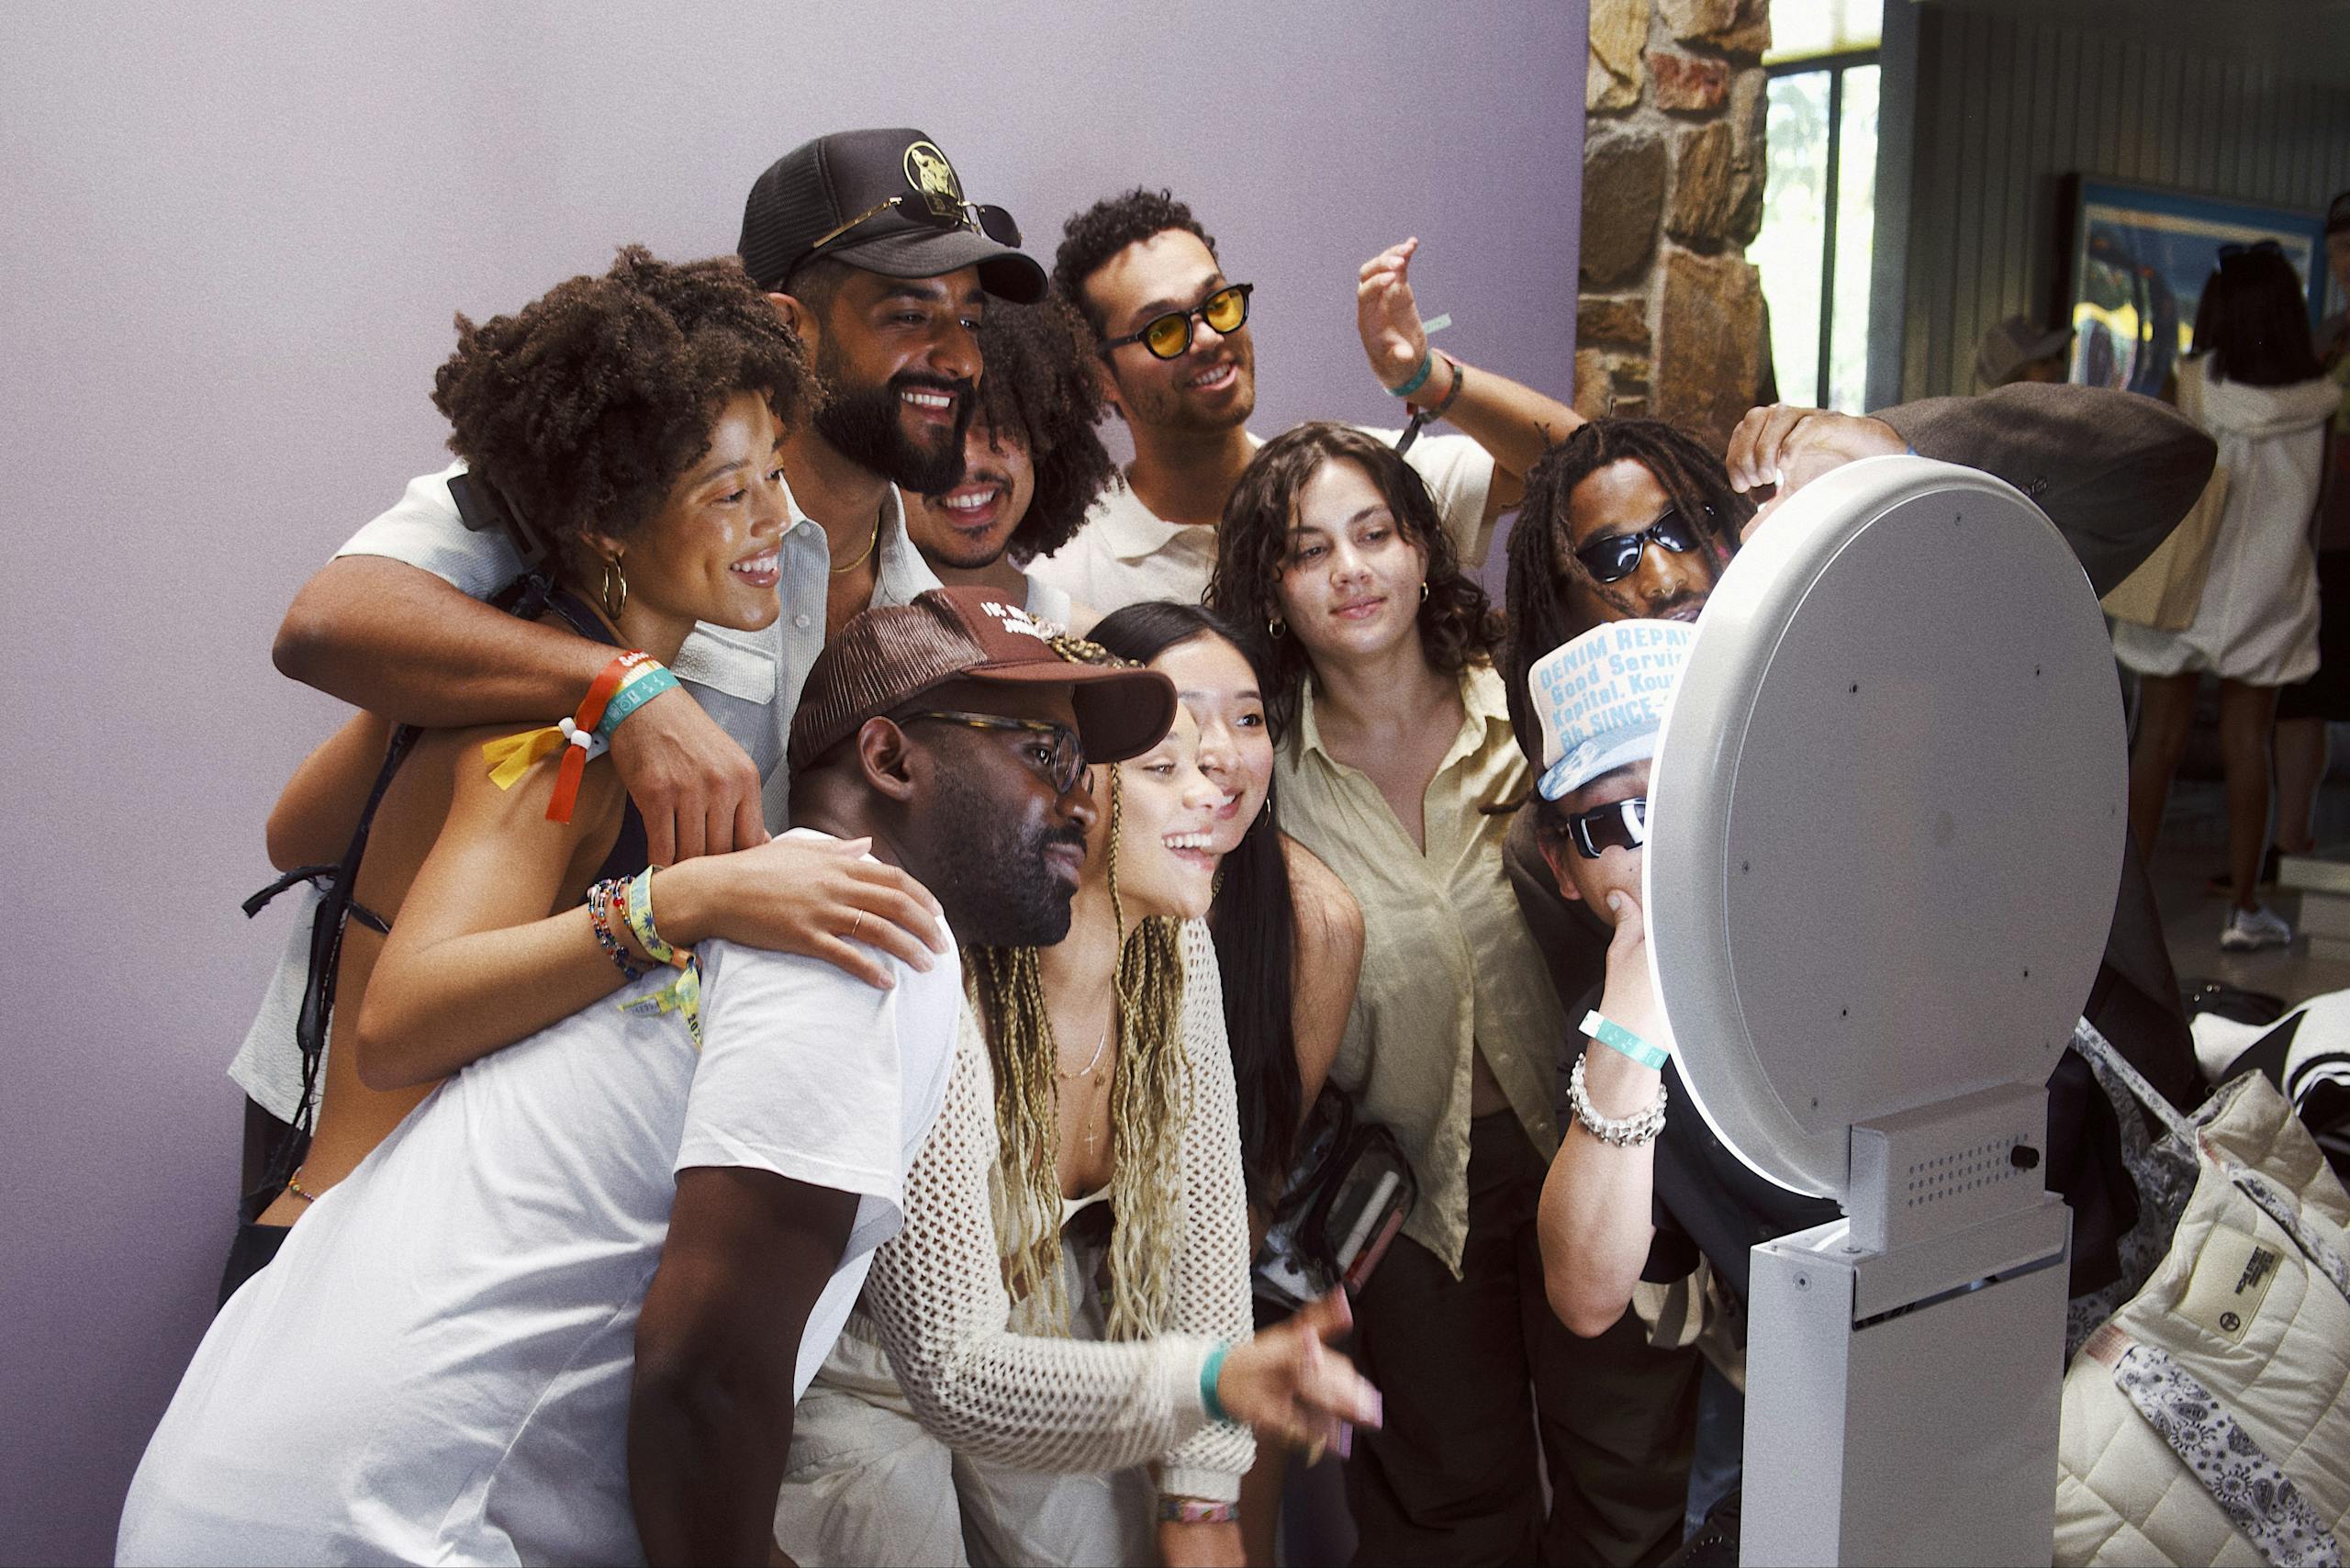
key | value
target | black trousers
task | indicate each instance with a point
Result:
(1486, 1389)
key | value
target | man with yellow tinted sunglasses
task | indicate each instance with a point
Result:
(1171, 338)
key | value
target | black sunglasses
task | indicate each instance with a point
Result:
(927, 210)
(1170, 336)
(1619, 824)
(1612, 559)
(1063, 760)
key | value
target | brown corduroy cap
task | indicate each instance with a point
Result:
(892, 654)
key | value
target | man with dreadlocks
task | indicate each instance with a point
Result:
(1633, 520)
(1032, 463)
(1083, 1183)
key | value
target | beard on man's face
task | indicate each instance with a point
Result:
(868, 425)
(989, 869)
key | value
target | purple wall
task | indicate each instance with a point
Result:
(234, 237)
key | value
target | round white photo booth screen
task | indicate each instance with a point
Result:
(1887, 813)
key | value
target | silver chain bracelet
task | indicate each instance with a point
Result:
(1624, 1132)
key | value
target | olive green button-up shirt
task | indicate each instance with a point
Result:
(1448, 965)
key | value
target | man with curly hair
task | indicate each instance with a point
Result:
(1033, 465)
(1178, 365)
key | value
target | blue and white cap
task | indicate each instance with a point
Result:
(1602, 699)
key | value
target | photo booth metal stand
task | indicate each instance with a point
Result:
(1886, 821)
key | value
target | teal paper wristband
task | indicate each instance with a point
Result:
(631, 697)
(1419, 376)
(1209, 1371)
(1617, 1037)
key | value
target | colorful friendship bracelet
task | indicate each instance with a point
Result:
(1196, 1511)
(1210, 1370)
(1617, 1038)
(605, 902)
(644, 683)
(682, 995)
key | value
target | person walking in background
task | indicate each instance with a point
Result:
(2255, 377)
(2303, 709)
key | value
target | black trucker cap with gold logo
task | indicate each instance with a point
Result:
(886, 201)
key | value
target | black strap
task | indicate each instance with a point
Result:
(526, 596)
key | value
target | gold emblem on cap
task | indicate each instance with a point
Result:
(928, 172)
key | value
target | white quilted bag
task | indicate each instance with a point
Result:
(2207, 1421)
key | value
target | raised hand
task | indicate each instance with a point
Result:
(1389, 318)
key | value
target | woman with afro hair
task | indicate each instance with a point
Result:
(632, 422)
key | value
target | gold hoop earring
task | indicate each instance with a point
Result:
(614, 592)
(1277, 628)
(1424, 590)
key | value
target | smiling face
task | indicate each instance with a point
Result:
(1351, 584)
(1617, 870)
(712, 551)
(901, 356)
(1625, 498)
(1212, 385)
(969, 526)
(1220, 697)
(1166, 858)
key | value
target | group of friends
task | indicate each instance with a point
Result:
(839, 899)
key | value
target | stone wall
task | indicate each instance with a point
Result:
(1669, 322)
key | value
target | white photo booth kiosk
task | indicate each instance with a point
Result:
(1887, 823)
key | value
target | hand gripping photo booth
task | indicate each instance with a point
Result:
(1885, 829)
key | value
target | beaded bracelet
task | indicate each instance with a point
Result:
(604, 900)
(1196, 1511)
(1623, 1132)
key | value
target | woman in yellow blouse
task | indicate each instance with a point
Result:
(1396, 754)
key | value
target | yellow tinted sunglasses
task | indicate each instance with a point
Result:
(1170, 336)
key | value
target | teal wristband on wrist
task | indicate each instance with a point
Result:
(631, 697)
(1617, 1038)
(1419, 376)
(1210, 1370)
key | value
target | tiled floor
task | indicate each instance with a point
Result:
(2192, 851)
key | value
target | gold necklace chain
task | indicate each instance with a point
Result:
(870, 545)
(1093, 1061)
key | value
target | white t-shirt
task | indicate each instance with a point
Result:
(1124, 553)
(436, 1368)
(748, 681)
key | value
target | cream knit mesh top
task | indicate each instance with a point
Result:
(935, 1298)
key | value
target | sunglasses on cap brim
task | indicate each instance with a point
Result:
(942, 214)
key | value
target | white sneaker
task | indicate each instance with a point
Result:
(2248, 929)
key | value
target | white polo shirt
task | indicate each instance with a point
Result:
(436, 1367)
(1125, 554)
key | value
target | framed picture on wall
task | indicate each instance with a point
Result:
(2140, 255)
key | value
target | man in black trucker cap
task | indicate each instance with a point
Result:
(865, 243)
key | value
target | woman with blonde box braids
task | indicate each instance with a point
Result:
(1076, 1242)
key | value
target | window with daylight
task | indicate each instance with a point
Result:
(1820, 197)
